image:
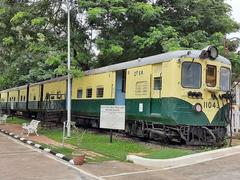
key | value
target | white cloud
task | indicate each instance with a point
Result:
(235, 15)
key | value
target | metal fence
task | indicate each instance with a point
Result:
(235, 122)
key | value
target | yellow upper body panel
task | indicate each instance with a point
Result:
(34, 93)
(58, 87)
(138, 84)
(103, 80)
(13, 96)
(3, 96)
(23, 95)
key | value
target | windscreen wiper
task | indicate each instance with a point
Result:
(190, 64)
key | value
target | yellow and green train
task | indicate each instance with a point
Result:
(177, 96)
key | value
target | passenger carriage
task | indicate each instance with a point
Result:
(176, 96)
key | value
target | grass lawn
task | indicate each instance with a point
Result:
(99, 143)
(16, 120)
(119, 149)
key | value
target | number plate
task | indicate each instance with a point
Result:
(208, 104)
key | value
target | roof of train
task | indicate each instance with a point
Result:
(153, 60)
(135, 63)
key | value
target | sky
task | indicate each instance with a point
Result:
(235, 15)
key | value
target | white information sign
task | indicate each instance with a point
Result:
(112, 117)
(11, 104)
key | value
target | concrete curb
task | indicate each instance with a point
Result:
(59, 155)
(185, 160)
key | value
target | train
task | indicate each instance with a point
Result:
(180, 96)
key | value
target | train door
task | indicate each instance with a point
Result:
(8, 101)
(41, 96)
(18, 106)
(120, 87)
(156, 94)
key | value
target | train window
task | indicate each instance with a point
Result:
(191, 75)
(100, 92)
(34, 98)
(79, 93)
(157, 83)
(47, 96)
(14, 99)
(89, 93)
(21, 98)
(211, 76)
(141, 88)
(225, 79)
(59, 95)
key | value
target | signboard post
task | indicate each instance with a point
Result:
(112, 117)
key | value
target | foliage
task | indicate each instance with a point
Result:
(33, 34)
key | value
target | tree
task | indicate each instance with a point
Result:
(33, 33)
(33, 36)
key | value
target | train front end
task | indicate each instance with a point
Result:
(200, 102)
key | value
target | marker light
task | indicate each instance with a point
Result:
(198, 107)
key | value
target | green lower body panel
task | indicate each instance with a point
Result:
(22, 106)
(33, 105)
(11, 105)
(16, 106)
(170, 111)
(89, 106)
(54, 105)
(3, 105)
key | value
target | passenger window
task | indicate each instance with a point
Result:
(79, 93)
(211, 76)
(47, 96)
(59, 95)
(89, 93)
(157, 83)
(100, 92)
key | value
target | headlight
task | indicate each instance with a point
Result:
(198, 107)
(213, 52)
(210, 52)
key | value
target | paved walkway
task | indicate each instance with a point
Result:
(225, 168)
(20, 162)
(17, 129)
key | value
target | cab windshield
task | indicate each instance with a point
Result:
(191, 75)
(225, 79)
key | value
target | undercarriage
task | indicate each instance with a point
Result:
(190, 135)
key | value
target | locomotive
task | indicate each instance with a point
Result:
(178, 96)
